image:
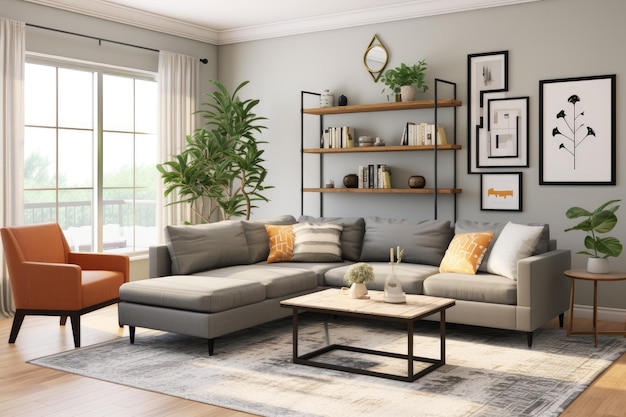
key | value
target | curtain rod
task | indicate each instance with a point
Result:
(203, 60)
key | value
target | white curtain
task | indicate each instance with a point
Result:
(178, 100)
(12, 56)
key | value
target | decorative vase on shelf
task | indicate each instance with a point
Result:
(408, 92)
(351, 181)
(598, 265)
(327, 99)
(393, 288)
(417, 181)
(357, 290)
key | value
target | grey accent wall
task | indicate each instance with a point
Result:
(547, 39)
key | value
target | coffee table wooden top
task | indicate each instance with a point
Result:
(332, 300)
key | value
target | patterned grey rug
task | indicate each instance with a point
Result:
(489, 373)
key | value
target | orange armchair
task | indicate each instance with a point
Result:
(48, 279)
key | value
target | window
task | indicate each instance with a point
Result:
(90, 151)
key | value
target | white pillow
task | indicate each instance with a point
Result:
(516, 241)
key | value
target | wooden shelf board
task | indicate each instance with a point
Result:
(363, 108)
(384, 190)
(396, 148)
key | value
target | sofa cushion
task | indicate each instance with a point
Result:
(193, 293)
(516, 241)
(466, 226)
(465, 252)
(278, 281)
(317, 242)
(281, 239)
(423, 242)
(200, 247)
(351, 236)
(256, 236)
(484, 288)
(411, 276)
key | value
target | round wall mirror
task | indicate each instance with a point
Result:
(375, 58)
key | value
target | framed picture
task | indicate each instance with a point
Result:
(486, 73)
(501, 191)
(577, 131)
(503, 141)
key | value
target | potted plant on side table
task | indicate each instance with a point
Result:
(599, 221)
(357, 275)
(405, 80)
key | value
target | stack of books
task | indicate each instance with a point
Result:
(337, 137)
(416, 134)
(374, 176)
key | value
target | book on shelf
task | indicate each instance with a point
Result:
(337, 137)
(416, 134)
(374, 176)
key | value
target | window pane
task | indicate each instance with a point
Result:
(40, 207)
(146, 106)
(40, 95)
(76, 90)
(118, 215)
(146, 161)
(118, 159)
(118, 103)
(75, 158)
(39, 157)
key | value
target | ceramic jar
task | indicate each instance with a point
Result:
(327, 99)
(417, 181)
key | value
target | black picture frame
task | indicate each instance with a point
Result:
(501, 191)
(577, 136)
(504, 141)
(487, 73)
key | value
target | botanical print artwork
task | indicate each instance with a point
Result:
(575, 132)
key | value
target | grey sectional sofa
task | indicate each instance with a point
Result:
(211, 280)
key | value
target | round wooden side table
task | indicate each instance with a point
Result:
(583, 275)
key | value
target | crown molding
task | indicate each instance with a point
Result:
(409, 10)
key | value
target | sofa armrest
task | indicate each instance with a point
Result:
(159, 261)
(542, 287)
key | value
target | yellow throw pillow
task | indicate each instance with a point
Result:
(281, 242)
(466, 252)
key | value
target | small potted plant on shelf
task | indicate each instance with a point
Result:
(357, 275)
(599, 221)
(405, 80)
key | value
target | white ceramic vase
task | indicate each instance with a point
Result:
(408, 92)
(358, 290)
(598, 265)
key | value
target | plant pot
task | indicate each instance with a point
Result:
(408, 92)
(598, 266)
(356, 290)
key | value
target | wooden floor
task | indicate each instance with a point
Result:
(28, 390)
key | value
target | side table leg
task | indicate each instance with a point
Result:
(294, 324)
(571, 308)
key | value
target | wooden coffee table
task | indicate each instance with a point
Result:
(333, 302)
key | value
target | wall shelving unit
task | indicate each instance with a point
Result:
(435, 105)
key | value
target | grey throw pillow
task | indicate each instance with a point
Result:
(197, 248)
(423, 241)
(351, 237)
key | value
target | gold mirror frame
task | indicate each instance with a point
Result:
(375, 58)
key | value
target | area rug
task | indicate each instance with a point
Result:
(488, 373)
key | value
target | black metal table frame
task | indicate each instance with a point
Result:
(306, 359)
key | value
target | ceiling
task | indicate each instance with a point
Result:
(230, 21)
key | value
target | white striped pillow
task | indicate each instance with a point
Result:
(317, 242)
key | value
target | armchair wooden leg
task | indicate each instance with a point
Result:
(17, 323)
(63, 320)
(75, 319)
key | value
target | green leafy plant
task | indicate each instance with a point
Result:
(599, 221)
(359, 272)
(221, 168)
(394, 78)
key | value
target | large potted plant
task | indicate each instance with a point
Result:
(405, 80)
(599, 221)
(221, 169)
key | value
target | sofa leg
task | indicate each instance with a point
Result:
(131, 332)
(529, 338)
(211, 346)
(561, 317)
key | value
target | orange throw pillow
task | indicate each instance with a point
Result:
(466, 252)
(281, 242)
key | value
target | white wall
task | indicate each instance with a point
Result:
(547, 39)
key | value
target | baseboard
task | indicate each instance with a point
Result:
(604, 313)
